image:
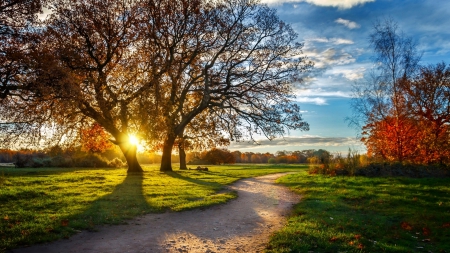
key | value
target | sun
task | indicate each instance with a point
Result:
(133, 140)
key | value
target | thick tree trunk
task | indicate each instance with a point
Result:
(182, 154)
(166, 161)
(129, 151)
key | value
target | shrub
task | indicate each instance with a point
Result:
(93, 160)
(198, 161)
(272, 160)
(23, 160)
(116, 163)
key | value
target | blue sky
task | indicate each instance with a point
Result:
(335, 34)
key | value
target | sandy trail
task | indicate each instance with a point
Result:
(241, 225)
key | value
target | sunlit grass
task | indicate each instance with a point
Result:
(358, 214)
(39, 205)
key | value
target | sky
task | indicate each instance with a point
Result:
(335, 34)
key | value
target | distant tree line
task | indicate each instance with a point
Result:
(57, 156)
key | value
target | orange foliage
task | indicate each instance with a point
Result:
(393, 139)
(95, 139)
(407, 139)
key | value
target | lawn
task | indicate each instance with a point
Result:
(336, 214)
(45, 204)
(359, 214)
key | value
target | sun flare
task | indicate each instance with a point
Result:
(133, 140)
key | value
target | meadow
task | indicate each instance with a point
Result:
(362, 214)
(336, 213)
(44, 204)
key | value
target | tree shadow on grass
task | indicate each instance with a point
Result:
(212, 185)
(126, 201)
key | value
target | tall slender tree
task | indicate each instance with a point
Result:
(381, 98)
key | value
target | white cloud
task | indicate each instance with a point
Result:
(336, 41)
(339, 41)
(316, 93)
(311, 100)
(329, 57)
(347, 23)
(341, 4)
(351, 74)
(320, 40)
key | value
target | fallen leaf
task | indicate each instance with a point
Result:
(357, 237)
(360, 246)
(406, 226)
(6, 217)
(64, 223)
(426, 231)
(446, 225)
(333, 239)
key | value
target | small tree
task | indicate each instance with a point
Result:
(219, 156)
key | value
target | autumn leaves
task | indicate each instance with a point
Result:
(404, 107)
(192, 72)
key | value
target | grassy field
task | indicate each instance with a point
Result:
(39, 205)
(336, 214)
(357, 214)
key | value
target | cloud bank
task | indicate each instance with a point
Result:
(340, 4)
(302, 142)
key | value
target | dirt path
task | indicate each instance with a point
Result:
(242, 225)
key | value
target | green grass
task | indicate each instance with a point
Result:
(40, 205)
(358, 214)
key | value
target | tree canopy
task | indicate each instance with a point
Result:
(156, 69)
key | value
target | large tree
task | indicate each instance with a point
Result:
(205, 131)
(92, 64)
(151, 68)
(234, 58)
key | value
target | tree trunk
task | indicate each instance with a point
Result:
(129, 151)
(166, 161)
(182, 154)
